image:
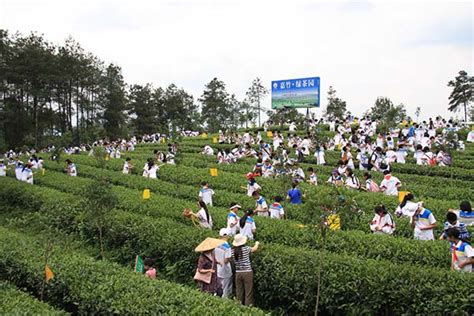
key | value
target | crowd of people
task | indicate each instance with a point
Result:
(361, 148)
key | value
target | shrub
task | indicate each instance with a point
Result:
(84, 286)
(16, 302)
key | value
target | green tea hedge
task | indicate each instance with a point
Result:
(82, 285)
(285, 277)
(284, 232)
(16, 302)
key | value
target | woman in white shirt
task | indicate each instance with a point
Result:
(419, 155)
(150, 169)
(205, 219)
(127, 166)
(383, 222)
(247, 225)
(320, 156)
(352, 182)
(347, 157)
(401, 154)
(27, 174)
(203, 216)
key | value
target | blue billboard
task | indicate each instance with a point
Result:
(295, 93)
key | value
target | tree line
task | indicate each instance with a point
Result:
(61, 93)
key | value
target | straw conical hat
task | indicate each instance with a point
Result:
(209, 244)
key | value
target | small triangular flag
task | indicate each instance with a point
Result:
(48, 273)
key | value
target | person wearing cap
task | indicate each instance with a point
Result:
(224, 269)
(243, 269)
(423, 222)
(232, 218)
(206, 271)
(252, 184)
(261, 207)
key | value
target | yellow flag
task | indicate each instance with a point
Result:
(401, 195)
(334, 222)
(213, 172)
(215, 140)
(48, 273)
(146, 194)
(270, 134)
(43, 171)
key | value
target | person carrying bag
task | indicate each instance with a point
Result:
(206, 271)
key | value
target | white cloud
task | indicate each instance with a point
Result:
(407, 51)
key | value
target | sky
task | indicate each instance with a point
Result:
(407, 51)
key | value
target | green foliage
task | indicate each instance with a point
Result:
(145, 108)
(215, 105)
(286, 232)
(84, 286)
(16, 302)
(336, 108)
(99, 200)
(387, 113)
(283, 115)
(114, 102)
(349, 284)
(462, 94)
(255, 94)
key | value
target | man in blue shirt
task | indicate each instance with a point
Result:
(294, 195)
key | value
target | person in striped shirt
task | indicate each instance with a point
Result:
(243, 269)
(453, 222)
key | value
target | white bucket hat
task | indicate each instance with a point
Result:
(239, 240)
